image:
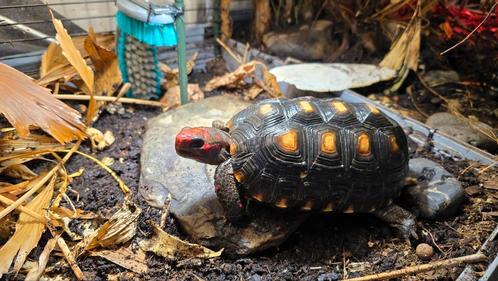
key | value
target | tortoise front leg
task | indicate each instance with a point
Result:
(398, 218)
(227, 192)
(218, 124)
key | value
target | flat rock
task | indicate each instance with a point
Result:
(437, 193)
(331, 77)
(457, 128)
(190, 183)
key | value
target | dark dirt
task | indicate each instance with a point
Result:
(327, 247)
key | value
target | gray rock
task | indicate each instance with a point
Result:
(436, 78)
(307, 43)
(190, 183)
(459, 129)
(437, 194)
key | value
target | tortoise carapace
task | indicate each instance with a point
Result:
(306, 153)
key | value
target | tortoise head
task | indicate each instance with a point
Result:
(204, 144)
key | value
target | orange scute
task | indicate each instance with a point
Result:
(306, 106)
(328, 143)
(373, 109)
(363, 145)
(308, 205)
(239, 176)
(288, 141)
(282, 203)
(349, 210)
(265, 109)
(329, 207)
(233, 148)
(340, 107)
(394, 144)
(258, 197)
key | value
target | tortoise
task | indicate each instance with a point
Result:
(307, 154)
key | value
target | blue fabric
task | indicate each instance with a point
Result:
(150, 33)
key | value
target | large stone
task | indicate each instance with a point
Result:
(307, 43)
(437, 194)
(462, 130)
(190, 183)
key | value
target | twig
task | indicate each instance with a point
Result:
(122, 91)
(70, 259)
(23, 209)
(229, 51)
(121, 183)
(409, 91)
(112, 99)
(473, 31)
(430, 89)
(165, 211)
(40, 183)
(434, 241)
(475, 258)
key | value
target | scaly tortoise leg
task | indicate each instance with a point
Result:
(218, 124)
(227, 192)
(398, 218)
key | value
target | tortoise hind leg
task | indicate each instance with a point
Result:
(226, 190)
(398, 218)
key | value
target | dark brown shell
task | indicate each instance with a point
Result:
(320, 154)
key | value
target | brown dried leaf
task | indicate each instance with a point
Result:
(107, 74)
(271, 84)
(36, 272)
(405, 50)
(126, 258)
(65, 72)
(19, 171)
(11, 145)
(119, 229)
(171, 247)
(253, 92)
(51, 59)
(27, 234)
(233, 79)
(172, 96)
(72, 54)
(26, 104)
(171, 75)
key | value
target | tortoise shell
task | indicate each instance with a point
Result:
(318, 154)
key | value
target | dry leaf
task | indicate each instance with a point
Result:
(253, 92)
(19, 171)
(52, 58)
(120, 228)
(271, 84)
(233, 79)
(26, 104)
(34, 144)
(171, 247)
(65, 72)
(126, 258)
(36, 271)
(72, 54)
(405, 50)
(107, 74)
(171, 75)
(27, 234)
(172, 96)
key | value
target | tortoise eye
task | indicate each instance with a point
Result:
(196, 143)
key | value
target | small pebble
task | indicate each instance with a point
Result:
(424, 251)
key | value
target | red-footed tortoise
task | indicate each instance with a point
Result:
(306, 153)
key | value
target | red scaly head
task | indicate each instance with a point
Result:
(204, 144)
